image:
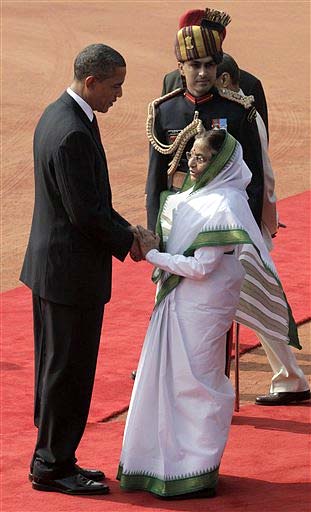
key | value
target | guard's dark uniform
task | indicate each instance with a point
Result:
(174, 114)
(250, 85)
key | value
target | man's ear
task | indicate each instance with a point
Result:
(90, 81)
(225, 79)
(181, 68)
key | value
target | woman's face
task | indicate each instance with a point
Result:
(199, 158)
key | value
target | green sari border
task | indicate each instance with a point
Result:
(163, 197)
(219, 237)
(170, 487)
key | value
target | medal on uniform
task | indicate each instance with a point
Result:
(220, 124)
(171, 135)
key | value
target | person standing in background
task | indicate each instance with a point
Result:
(249, 83)
(198, 49)
(228, 81)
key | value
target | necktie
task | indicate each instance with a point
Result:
(96, 132)
(96, 128)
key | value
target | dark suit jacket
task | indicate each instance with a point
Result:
(249, 84)
(75, 230)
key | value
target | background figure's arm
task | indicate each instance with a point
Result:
(269, 212)
(252, 156)
(256, 89)
(261, 104)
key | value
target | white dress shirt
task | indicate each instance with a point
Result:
(85, 106)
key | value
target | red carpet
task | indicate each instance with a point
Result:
(125, 323)
(269, 472)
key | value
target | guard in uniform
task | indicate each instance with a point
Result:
(169, 115)
(250, 84)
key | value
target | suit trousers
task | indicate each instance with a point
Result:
(66, 347)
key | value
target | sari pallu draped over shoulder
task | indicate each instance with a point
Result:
(216, 213)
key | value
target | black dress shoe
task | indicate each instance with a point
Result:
(90, 474)
(74, 484)
(283, 398)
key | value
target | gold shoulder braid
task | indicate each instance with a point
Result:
(182, 138)
(245, 101)
(252, 114)
(162, 148)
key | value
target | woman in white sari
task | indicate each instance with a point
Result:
(213, 267)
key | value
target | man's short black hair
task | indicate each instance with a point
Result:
(97, 60)
(228, 65)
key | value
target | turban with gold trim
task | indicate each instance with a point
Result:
(201, 34)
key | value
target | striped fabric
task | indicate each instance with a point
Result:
(263, 306)
(196, 42)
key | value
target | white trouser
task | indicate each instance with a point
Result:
(287, 376)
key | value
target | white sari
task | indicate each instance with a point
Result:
(182, 402)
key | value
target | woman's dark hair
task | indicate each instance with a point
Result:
(97, 60)
(214, 138)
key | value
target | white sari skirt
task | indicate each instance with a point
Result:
(182, 402)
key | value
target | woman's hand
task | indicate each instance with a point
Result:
(147, 240)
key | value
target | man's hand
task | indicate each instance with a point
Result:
(147, 240)
(135, 251)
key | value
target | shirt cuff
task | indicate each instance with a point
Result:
(150, 254)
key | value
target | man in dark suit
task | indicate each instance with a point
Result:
(75, 232)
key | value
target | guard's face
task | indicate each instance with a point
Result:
(198, 159)
(200, 75)
(102, 94)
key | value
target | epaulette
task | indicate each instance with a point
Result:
(167, 96)
(252, 114)
(246, 101)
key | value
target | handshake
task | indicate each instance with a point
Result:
(144, 241)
